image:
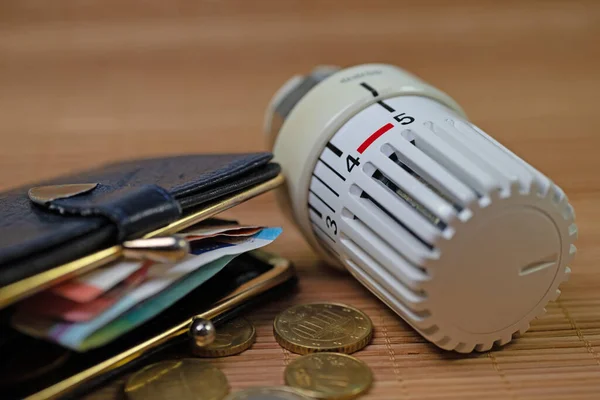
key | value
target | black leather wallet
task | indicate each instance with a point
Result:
(54, 230)
(129, 200)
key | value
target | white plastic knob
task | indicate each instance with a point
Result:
(386, 176)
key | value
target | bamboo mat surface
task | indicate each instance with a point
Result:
(83, 83)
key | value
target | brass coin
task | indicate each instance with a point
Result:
(329, 376)
(185, 379)
(268, 393)
(233, 337)
(309, 328)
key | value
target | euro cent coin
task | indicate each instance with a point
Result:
(233, 337)
(268, 393)
(310, 328)
(185, 379)
(329, 376)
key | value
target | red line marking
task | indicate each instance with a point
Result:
(374, 136)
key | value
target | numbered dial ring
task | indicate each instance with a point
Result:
(354, 152)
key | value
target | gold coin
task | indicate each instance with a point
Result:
(268, 393)
(309, 328)
(185, 379)
(329, 376)
(233, 337)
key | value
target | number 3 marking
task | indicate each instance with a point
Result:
(331, 224)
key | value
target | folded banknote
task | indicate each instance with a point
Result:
(48, 304)
(204, 232)
(164, 282)
(95, 283)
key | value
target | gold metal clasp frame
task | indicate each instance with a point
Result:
(28, 286)
(281, 272)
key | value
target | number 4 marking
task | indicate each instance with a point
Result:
(352, 162)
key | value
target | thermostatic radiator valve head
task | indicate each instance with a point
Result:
(387, 177)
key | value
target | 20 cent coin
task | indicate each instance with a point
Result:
(185, 379)
(310, 328)
(329, 376)
(233, 337)
(268, 393)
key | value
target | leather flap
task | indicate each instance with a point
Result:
(134, 210)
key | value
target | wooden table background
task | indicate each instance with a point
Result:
(86, 82)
